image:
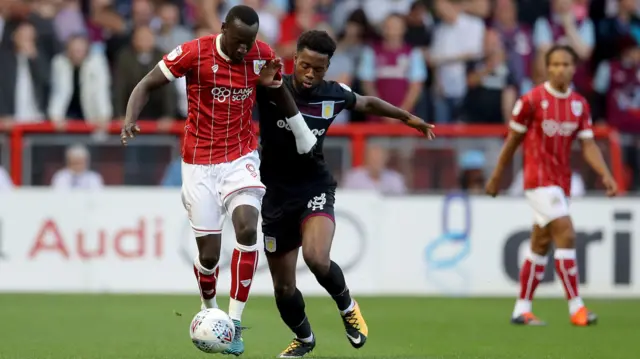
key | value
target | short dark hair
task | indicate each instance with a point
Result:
(245, 14)
(318, 41)
(566, 48)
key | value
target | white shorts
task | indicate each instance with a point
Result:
(548, 203)
(210, 192)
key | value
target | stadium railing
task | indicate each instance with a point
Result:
(346, 145)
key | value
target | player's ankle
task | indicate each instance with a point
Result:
(349, 308)
(307, 340)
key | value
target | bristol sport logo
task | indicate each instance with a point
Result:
(221, 94)
(315, 131)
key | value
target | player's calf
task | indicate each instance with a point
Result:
(206, 268)
(291, 306)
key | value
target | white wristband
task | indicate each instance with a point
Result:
(298, 126)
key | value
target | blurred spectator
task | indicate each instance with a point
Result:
(375, 175)
(81, 86)
(143, 14)
(356, 34)
(377, 11)
(269, 23)
(419, 25)
(173, 174)
(69, 20)
(478, 8)
(391, 69)
(340, 70)
(132, 65)
(491, 86)
(171, 34)
(5, 181)
(24, 78)
(568, 24)
(456, 40)
(302, 19)
(617, 85)
(76, 174)
(611, 29)
(517, 40)
(577, 185)
(471, 165)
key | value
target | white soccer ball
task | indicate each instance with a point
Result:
(212, 330)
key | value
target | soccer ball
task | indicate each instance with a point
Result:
(212, 330)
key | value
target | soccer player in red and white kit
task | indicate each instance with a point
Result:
(220, 163)
(548, 119)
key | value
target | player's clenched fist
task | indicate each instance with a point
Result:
(129, 130)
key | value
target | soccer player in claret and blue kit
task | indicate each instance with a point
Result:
(547, 119)
(220, 163)
(297, 209)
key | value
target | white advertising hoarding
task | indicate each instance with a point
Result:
(139, 240)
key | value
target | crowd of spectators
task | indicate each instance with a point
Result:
(449, 61)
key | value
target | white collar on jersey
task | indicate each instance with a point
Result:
(219, 48)
(556, 93)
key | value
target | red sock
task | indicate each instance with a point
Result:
(567, 270)
(243, 267)
(207, 280)
(531, 274)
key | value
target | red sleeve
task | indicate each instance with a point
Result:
(180, 61)
(585, 128)
(267, 53)
(522, 114)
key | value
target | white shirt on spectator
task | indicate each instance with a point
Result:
(577, 185)
(390, 182)
(464, 37)
(66, 179)
(5, 180)
(26, 106)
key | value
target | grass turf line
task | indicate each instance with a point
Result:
(145, 326)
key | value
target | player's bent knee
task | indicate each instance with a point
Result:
(247, 234)
(284, 289)
(208, 259)
(318, 261)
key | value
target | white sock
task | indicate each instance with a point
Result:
(522, 306)
(575, 304)
(209, 303)
(236, 308)
(305, 139)
(306, 340)
(350, 308)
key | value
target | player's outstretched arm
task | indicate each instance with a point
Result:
(305, 139)
(593, 156)
(511, 144)
(375, 106)
(138, 99)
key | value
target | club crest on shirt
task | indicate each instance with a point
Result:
(258, 65)
(576, 108)
(327, 109)
(214, 68)
(544, 104)
(270, 244)
(175, 53)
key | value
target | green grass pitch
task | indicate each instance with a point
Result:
(132, 326)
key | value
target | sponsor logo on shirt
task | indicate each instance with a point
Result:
(221, 94)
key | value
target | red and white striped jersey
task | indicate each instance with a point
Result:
(221, 97)
(551, 121)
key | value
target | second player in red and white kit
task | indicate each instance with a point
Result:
(220, 163)
(548, 119)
